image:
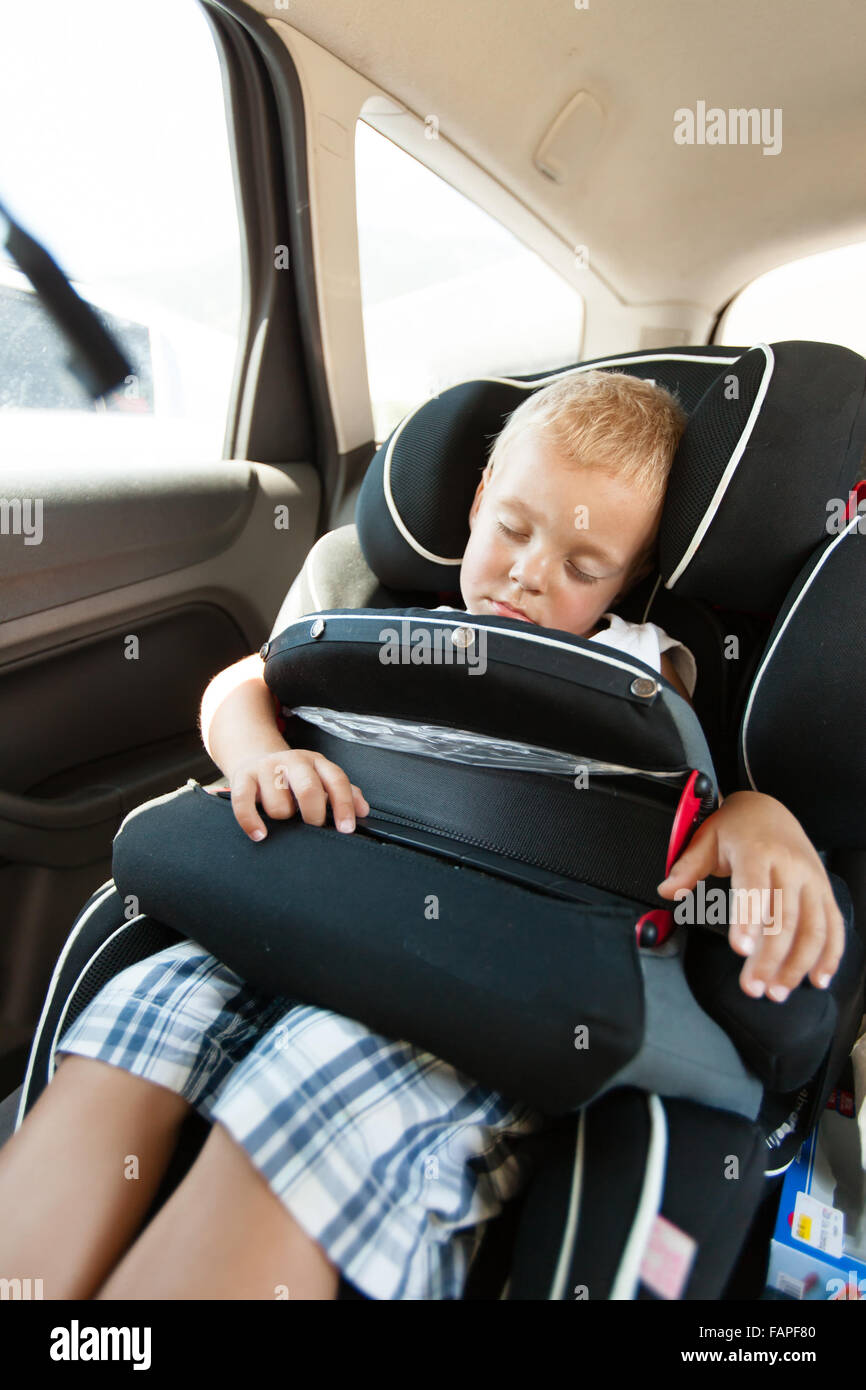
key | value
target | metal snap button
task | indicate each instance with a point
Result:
(317, 628)
(463, 636)
(643, 685)
(263, 651)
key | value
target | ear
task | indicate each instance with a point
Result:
(479, 491)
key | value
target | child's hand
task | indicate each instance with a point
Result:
(291, 779)
(756, 840)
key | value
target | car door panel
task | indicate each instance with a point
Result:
(74, 530)
(111, 627)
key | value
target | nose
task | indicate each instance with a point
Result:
(528, 571)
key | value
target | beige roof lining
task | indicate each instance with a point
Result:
(663, 222)
(672, 230)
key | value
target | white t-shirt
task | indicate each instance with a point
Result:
(646, 641)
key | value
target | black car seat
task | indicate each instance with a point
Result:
(750, 570)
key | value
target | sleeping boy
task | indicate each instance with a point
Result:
(338, 1151)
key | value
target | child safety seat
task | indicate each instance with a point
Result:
(535, 787)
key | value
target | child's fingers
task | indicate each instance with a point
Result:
(309, 787)
(276, 791)
(362, 805)
(757, 926)
(830, 958)
(341, 792)
(772, 937)
(750, 901)
(698, 860)
(244, 788)
(805, 949)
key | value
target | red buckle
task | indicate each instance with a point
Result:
(654, 927)
(856, 498)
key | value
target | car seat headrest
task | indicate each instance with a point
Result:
(773, 440)
(773, 433)
(413, 507)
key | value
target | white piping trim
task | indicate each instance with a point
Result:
(105, 889)
(854, 522)
(628, 1274)
(71, 995)
(453, 622)
(724, 481)
(392, 505)
(651, 600)
(774, 1172)
(569, 1234)
(525, 386)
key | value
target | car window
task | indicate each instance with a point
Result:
(115, 156)
(447, 291)
(820, 298)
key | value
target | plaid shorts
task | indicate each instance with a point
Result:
(387, 1156)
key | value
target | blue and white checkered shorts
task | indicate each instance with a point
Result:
(387, 1156)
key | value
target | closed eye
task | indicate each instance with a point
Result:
(578, 573)
(582, 575)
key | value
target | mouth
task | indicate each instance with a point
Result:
(505, 610)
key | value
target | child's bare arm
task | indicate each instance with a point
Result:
(238, 715)
(239, 730)
(757, 840)
(670, 674)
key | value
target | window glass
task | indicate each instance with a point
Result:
(115, 156)
(821, 299)
(447, 292)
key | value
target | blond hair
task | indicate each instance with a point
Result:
(611, 421)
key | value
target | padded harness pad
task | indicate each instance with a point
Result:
(542, 999)
(491, 977)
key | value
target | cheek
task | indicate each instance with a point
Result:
(483, 553)
(588, 601)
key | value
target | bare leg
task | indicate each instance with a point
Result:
(78, 1176)
(223, 1234)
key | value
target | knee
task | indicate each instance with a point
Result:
(115, 1088)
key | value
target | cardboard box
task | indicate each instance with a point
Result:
(818, 1250)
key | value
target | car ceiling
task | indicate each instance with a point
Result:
(662, 222)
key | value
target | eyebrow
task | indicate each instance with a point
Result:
(517, 504)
